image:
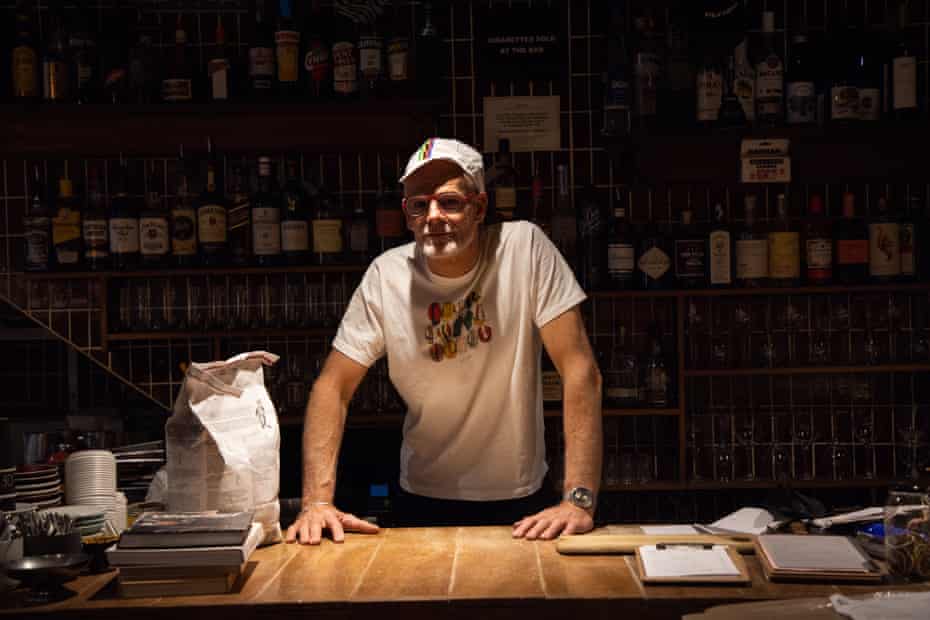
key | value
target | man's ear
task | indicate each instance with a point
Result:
(481, 200)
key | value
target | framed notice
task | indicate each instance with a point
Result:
(520, 41)
(530, 123)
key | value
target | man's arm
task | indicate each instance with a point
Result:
(567, 344)
(323, 427)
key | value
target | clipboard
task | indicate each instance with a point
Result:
(742, 579)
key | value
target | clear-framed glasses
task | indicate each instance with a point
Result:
(449, 202)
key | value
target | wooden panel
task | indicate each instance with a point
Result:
(413, 563)
(490, 563)
(593, 576)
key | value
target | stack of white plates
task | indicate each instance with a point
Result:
(88, 520)
(90, 480)
(39, 485)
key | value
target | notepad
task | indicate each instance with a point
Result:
(828, 554)
(687, 561)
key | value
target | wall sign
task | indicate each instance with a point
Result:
(530, 123)
(520, 41)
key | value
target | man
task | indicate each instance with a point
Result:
(461, 314)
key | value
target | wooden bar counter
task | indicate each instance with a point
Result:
(474, 572)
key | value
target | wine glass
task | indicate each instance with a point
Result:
(864, 432)
(803, 436)
(745, 433)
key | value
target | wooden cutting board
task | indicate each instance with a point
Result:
(627, 543)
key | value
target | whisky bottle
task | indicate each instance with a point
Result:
(239, 217)
(398, 53)
(784, 249)
(287, 52)
(360, 233)
(211, 215)
(184, 218)
(371, 60)
(266, 218)
(818, 243)
(295, 219)
(37, 226)
(328, 242)
(154, 223)
(770, 75)
(621, 252)
(178, 84)
(56, 82)
(851, 247)
(390, 224)
(24, 56)
(261, 55)
(655, 372)
(800, 88)
(66, 228)
(124, 223)
(592, 238)
(690, 254)
(752, 249)
(219, 69)
(720, 250)
(95, 225)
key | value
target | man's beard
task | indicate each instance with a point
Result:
(443, 247)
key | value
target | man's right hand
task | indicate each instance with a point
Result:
(308, 527)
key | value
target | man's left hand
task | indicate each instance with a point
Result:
(565, 518)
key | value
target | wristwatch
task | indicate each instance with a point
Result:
(581, 497)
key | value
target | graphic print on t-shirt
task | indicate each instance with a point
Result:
(455, 327)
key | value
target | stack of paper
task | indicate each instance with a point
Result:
(817, 558)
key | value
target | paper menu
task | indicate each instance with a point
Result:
(687, 561)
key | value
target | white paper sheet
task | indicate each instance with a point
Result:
(881, 606)
(668, 530)
(745, 521)
(683, 561)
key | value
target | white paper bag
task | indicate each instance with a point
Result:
(223, 441)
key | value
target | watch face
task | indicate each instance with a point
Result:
(581, 497)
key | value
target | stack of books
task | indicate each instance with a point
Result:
(165, 554)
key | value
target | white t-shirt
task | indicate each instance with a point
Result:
(464, 353)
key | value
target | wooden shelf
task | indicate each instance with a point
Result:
(674, 485)
(100, 130)
(203, 271)
(807, 370)
(831, 289)
(221, 333)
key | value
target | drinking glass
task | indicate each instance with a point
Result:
(196, 303)
(644, 473)
(745, 461)
(627, 470)
(295, 306)
(803, 436)
(239, 303)
(219, 303)
(141, 305)
(723, 460)
(865, 453)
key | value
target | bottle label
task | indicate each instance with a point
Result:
(904, 73)
(752, 259)
(654, 263)
(551, 386)
(154, 239)
(183, 232)
(345, 68)
(211, 224)
(690, 259)
(218, 71)
(287, 46)
(295, 236)
(505, 201)
(66, 236)
(37, 240)
(25, 63)
(358, 236)
(96, 238)
(709, 94)
(398, 53)
(266, 231)
(802, 102)
(845, 103)
(176, 90)
(317, 62)
(852, 252)
(770, 75)
(370, 50)
(261, 66)
(744, 81)
(819, 258)
(908, 266)
(620, 257)
(327, 236)
(884, 249)
(784, 255)
(389, 222)
(54, 80)
(646, 68)
(124, 235)
(870, 104)
(720, 252)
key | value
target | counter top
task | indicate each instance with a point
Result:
(417, 572)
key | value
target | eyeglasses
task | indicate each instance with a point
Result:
(449, 202)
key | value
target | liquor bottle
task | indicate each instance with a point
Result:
(184, 218)
(720, 248)
(676, 83)
(360, 233)
(328, 242)
(211, 215)
(178, 83)
(844, 89)
(784, 249)
(37, 227)
(114, 55)
(345, 58)
(655, 372)
(430, 57)
(317, 67)
(295, 219)
(287, 52)
(82, 45)
(621, 253)
(154, 223)
(219, 68)
(903, 71)
(95, 224)
(709, 88)
(370, 60)
(731, 112)
(261, 55)
(818, 243)
(690, 254)
(654, 262)
(909, 238)
(770, 75)
(752, 249)
(592, 237)
(800, 88)
(266, 217)
(869, 78)
(621, 385)
(852, 245)
(564, 228)
(618, 79)
(124, 223)
(884, 244)
(542, 209)
(24, 57)
(551, 382)
(398, 53)
(744, 80)
(504, 182)
(390, 224)
(646, 71)
(55, 70)
(239, 217)
(144, 85)
(66, 228)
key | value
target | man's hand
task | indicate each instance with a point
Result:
(565, 518)
(308, 527)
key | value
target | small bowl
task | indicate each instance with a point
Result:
(53, 568)
(45, 545)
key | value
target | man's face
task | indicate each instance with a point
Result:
(444, 234)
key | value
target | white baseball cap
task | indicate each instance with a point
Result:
(445, 149)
